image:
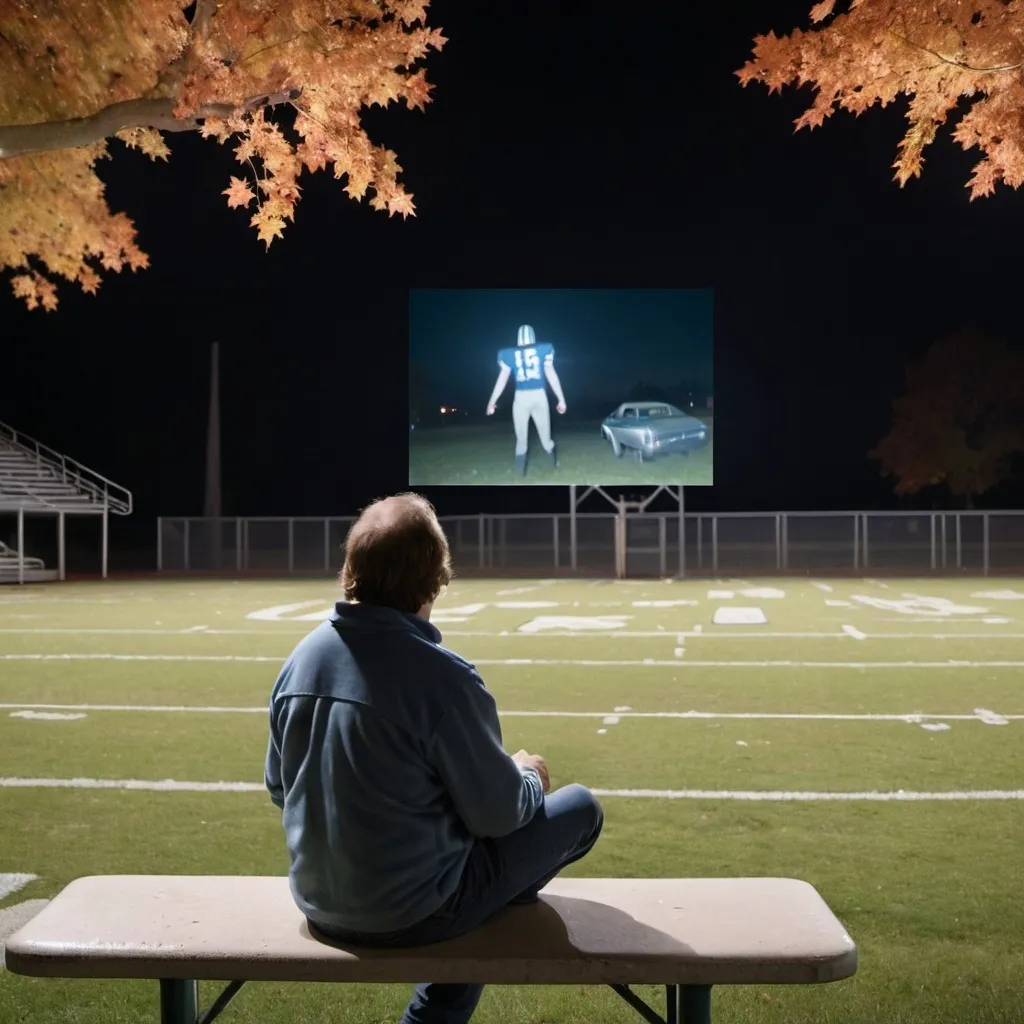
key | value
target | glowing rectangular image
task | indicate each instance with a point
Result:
(561, 386)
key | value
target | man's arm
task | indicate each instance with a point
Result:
(499, 386)
(272, 768)
(556, 385)
(491, 793)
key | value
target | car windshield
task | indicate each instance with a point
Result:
(652, 412)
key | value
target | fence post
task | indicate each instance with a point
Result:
(159, 543)
(785, 541)
(959, 546)
(185, 539)
(480, 527)
(935, 563)
(291, 545)
(778, 540)
(662, 543)
(714, 543)
(985, 542)
(554, 530)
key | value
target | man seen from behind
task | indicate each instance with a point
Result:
(406, 821)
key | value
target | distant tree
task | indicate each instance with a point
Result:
(937, 53)
(959, 424)
(74, 76)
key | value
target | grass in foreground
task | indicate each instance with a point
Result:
(930, 891)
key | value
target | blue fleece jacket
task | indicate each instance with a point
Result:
(386, 759)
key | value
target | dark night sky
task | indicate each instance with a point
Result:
(604, 340)
(569, 146)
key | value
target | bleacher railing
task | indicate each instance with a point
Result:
(102, 491)
(631, 544)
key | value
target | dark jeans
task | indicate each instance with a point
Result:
(512, 869)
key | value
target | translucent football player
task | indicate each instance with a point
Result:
(531, 363)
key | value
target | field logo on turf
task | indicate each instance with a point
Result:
(917, 604)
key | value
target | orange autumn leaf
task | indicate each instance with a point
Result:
(944, 55)
(286, 86)
(239, 193)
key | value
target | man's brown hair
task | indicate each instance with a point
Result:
(396, 554)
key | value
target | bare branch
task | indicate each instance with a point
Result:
(19, 139)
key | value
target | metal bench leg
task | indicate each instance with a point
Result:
(179, 1001)
(694, 1004)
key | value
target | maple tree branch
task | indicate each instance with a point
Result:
(953, 61)
(19, 139)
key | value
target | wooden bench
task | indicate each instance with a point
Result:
(684, 934)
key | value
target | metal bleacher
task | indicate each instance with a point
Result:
(36, 480)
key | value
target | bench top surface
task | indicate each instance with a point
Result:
(582, 931)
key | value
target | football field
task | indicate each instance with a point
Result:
(864, 735)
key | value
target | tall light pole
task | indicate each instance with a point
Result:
(212, 497)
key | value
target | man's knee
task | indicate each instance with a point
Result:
(585, 806)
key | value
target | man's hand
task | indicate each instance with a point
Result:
(535, 761)
(490, 409)
(561, 406)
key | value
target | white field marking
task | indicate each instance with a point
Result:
(621, 707)
(936, 726)
(823, 586)
(833, 603)
(622, 711)
(279, 611)
(598, 622)
(610, 720)
(697, 631)
(49, 716)
(773, 796)
(679, 652)
(920, 605)
(762, 593)
(998, 595)
(721, 595)
(649, 663)
(10, 884)
(526, 604)
(13, 918)
(990, 717)
(665, 604)
(195, 629)
(877, 583)
(785, 796)
(995, 620)
(742, 743)
(732, 616)
(601, 732)
(855, 633)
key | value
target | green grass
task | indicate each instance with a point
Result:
(929, 890)
(483, 454)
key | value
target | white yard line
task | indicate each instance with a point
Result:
(542, 662)
(914, 717)
(721, 634)
(855, 633)
(770, 796)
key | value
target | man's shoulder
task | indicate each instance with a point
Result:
(506, 357)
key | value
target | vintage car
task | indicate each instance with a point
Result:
(653, 428)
